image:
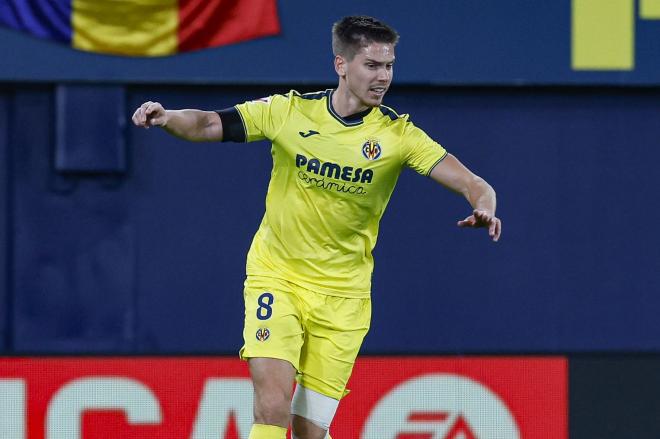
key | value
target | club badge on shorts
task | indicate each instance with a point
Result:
(263, 334)
(371, 149)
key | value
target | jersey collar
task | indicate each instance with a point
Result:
(350, 120)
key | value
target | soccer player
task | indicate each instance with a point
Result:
(337, 155)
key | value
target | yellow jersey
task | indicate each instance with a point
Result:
(331, 180)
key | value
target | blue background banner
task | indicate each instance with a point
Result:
(150, 257)
(443, 42)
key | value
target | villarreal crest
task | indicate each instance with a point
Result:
(263, 334)
(371, 149)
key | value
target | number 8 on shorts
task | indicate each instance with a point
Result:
(265, 310)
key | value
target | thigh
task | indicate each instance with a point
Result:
(272, 379)
(335, 328)
(272, 322)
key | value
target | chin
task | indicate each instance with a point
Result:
(372, 102)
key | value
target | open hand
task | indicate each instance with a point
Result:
(482, 218)
(150, 114)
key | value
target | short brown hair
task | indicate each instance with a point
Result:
(352, 33)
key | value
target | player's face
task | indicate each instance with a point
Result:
(369, 74)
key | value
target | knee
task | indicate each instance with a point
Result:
(272, 408)
(302, 428)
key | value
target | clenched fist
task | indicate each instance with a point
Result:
(150, 114)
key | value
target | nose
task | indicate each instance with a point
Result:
(384, 74)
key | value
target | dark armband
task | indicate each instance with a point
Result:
(233, 129)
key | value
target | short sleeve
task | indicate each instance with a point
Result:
(263, 118)
(419, 151)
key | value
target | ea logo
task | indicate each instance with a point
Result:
(440, 406)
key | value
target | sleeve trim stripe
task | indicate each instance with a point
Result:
(436, 163)
(243, 122)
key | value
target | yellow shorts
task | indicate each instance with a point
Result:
(319, 335)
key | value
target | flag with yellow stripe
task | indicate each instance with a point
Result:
(143, 27)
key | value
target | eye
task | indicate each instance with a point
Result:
(371, 65)
(389, 66)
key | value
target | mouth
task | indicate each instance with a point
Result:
(378, 91)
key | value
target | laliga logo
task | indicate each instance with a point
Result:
(440, 406)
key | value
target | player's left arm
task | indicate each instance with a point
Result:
(451, 173)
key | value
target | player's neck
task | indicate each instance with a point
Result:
(345, 103)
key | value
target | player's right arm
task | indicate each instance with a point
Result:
(194, 125)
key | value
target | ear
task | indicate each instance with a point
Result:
(340, 65)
